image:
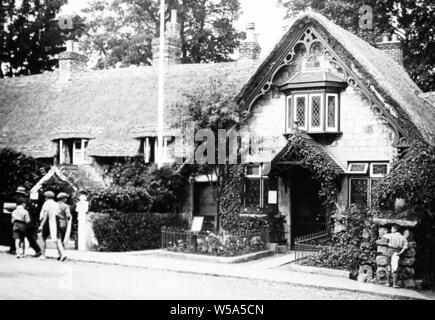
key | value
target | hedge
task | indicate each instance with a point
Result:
(130, 231)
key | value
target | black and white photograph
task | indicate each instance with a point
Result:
(217, 154)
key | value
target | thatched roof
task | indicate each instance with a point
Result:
(387, 76)
(429, 96)
(112, 107)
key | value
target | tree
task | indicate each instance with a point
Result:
(210, 107)
(413, 21)
(121, 31)
(30, 36)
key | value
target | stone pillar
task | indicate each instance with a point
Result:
(82, 209)
(172, 50)
(250, 49)
(406, 263)
(391, 48)
(72, 60)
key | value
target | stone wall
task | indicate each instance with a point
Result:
(407, 260)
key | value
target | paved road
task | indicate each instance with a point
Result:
(31, 278)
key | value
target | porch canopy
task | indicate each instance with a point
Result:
(285, 159)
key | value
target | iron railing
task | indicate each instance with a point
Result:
(310, 244)
(208, 243)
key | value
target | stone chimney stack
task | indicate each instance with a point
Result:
(72, 60)
(249, 48)
(391, 48)
(172, 51)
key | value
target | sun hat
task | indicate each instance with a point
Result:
(62, 195)
(49, 194)
(21, 190)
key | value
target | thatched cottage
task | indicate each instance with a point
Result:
(352, 102)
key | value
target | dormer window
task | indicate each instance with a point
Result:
(74, 151)
(150, 149)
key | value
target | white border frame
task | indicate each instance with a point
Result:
(366, 167)
(322, 116)
(379, 163)
(335, 128)
(295, 98)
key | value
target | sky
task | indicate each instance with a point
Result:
(268, 18)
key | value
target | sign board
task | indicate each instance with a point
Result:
(8, 207)
(34, 196)
(197, 224)
(272, 197)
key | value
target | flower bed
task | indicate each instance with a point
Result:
(208, 243)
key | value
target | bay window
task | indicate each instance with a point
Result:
(316, 112)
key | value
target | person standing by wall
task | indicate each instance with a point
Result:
(20, 219)
(397, 244)
(49, 213)
(64, 219)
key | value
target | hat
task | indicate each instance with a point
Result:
(62, 195)
(21, 190)
(49, 194)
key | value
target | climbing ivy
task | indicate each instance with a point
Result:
(230, 196)
(412, 178)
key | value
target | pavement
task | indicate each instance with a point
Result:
(267, 269)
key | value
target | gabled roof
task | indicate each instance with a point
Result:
(113, 107)
(380, 72)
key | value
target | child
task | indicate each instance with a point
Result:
(20, 219)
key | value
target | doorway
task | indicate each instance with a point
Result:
(308, 215)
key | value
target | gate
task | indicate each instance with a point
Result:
(311, 244)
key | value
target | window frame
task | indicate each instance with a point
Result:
(79, 155)
(373, 175)
(295, 99)
(369, 176)
(321, 127)
(368, 195)
(366, 167)
(261, 178)
(337, 113)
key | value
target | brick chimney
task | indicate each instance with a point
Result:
(72, 60)
(249, 48)
(172, 51)
(391, 48)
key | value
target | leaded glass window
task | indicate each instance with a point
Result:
(379, 169)
(315, 111)
(252, 192)
(359, 192)
(331, 110)
(301, 105)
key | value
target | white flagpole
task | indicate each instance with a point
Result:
(161, 97)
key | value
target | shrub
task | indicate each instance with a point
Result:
(119, 231)
(166, 187)
(351, 247)
(18, 169)
(125, 199)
